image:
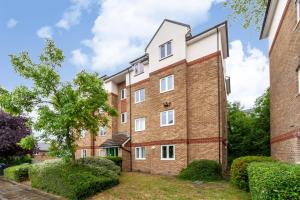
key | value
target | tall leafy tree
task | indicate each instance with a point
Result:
(12, 130)
(64, 109)
(251, 12)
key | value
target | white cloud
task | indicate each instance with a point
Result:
(11, 23)
(45, 32)
(249, 72)
(124, 27)
(73, 14)
(78, 58)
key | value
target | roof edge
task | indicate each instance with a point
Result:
(265, 20)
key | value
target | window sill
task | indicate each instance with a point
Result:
(165, 57)
(138, 102)
(139, 131)
(167, 159)
(140, 158)
(167, 125)
(166, 91)
(138, 74)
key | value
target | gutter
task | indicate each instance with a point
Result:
(130, 126)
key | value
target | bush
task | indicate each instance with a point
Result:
(16, 160)
(17, 173)
(99, 162)
(117, 160)
(238, 172)
(201, 170)
(279, 181)
(72, 180)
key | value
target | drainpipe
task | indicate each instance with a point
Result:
(219, 102)
(130, 126)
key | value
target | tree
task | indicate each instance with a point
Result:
(64, 109)
(12, 130)
(250, 11)
(249, 132)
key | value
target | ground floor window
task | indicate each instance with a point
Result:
(168, 152)
(113, 151)
(140, 153)
(83, 153)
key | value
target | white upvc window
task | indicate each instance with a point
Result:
(298, 72)
(298, 10)
(83, 133)
(168, 152)
(167, 118)
(123, 93)
(140, 153)
(165, 49)
(139, 96)
(167, 83)
(83, 153)
(102, 131)
(140, 124)
(138, 68)
(124, 117)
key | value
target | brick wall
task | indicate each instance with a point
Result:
(285, 99)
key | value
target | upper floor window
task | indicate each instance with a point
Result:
(168, 152)
(139, 96)
(167, 118)
(165, 49)
(167, 83)
(140, 124)
(83, 133)
(83, 153)
(102, 131)
(298, 72)
(298, 10)
(140, 153)
(123, 93)
(138, 68)
(124, 117)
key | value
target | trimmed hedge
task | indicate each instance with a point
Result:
(99, 162)
(201, 170)
(238, 171)
(117, 160)
(72, 180)
(17, 173)
(279, 181)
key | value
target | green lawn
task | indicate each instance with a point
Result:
(144, 186)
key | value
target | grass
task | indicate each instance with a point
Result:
(147, 187)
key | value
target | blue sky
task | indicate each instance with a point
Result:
(104, 36)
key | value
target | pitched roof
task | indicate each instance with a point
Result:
(118, 139)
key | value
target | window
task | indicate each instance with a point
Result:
(298, 79)
(138, 68)
(140, 124)
(168, 152)
(298, 10)
(102, 131)
(140, 153)
(83, 133)
(123, 93)
(165, 50)
(139, 95)
(167, 84)
(113, 151)
(124, 117)
(167, 118)
(83, 153)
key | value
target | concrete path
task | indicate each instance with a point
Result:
(10, 190)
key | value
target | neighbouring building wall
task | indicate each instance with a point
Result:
(285, 98)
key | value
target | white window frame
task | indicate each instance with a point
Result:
(141, 127)
(298, 10)
(123, 93)
(125, 117)
(102, 131)
(139, 68)
(140, 155)
(167, 118)
(137, 96)
(298, 74)
(83, 133)
(83, 153)
(168, 87)
(165, 46)
(168, 156)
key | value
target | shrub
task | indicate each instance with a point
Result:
(201, 170)
(117, 160)
(99, 162)
(17, 173)
(16, 160)
(72, 180)
(238, 172)
(279, 181)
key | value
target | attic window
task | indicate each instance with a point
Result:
(165, 50)
(138, 68)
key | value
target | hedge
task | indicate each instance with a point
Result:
(72, 180)
(17, 173)
(117, 160)
(201, 170)
(279, 181)
(99, 162)
(238, 171)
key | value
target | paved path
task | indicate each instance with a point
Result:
(10, 190)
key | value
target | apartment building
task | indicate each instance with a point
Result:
(171, 103)
(282, 29)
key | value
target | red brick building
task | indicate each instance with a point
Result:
(282, 28)
(172, 103)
